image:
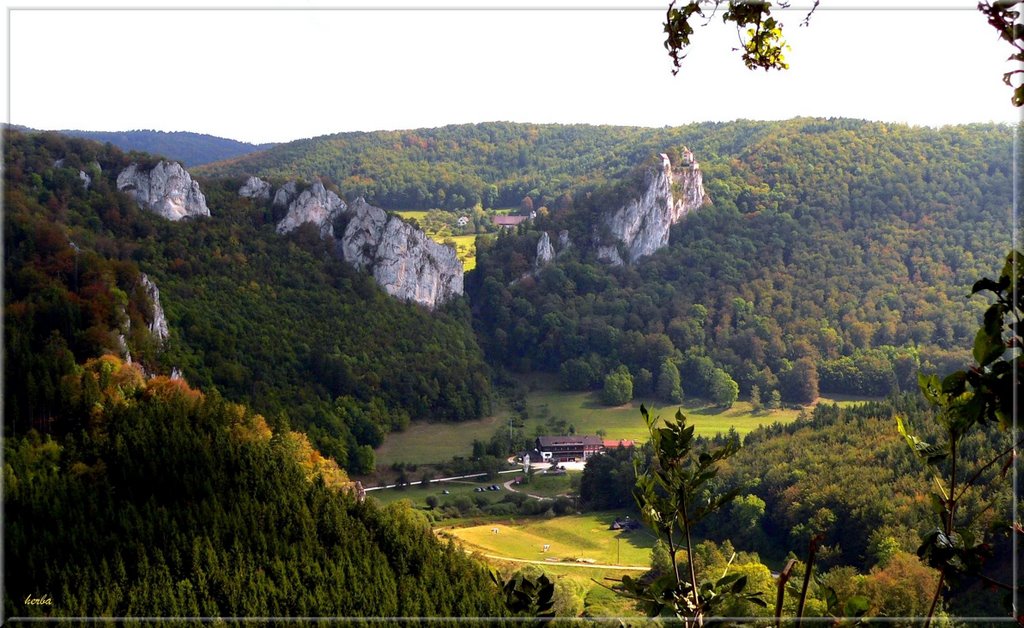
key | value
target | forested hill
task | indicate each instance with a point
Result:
(192, 149)
(277, 322)
(836, 254)
(493, 163)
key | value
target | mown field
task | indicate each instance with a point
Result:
(424, 443)
(579, 590)
(569, 538)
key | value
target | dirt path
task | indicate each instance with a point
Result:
(508, 486)
(566, 564)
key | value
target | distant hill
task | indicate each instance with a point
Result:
(192, 149)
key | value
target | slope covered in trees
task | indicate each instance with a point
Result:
(847, 475)
(276, 322)
(192, 149)
(493, 163)
(835, 251)
(168, 503)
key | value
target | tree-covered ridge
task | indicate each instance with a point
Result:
(835, 251)
(276, 322)
(192, 149)
(168, 503)
(493, 163)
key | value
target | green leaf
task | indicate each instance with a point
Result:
(986, 284)
(856, 606)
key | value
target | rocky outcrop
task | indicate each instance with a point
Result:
(403, 260)
(545, 252)
(255, 187)
(285, 194)
(86, 179)
(317, 205)
(167, 189)
(158, 325)
(563, 241)
(642, 225)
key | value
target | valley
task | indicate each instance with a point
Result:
(210, 365)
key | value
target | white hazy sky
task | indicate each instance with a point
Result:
(266, 75)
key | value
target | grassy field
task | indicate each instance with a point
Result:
(550, 485)
(598, 601)
(465, 248)
(570, 537)
(418, 494)
(423, 443)
(416, 215)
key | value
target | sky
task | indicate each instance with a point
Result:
(269, 75)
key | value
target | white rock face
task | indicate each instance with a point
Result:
(545, 252)
(255, 187)
(317, 205)
(642, 224)
(167, 189)
(86, 179)
(609, 253)
(285, 194)
(403, 260)
(158, 326)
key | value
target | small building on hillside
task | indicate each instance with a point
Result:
(612, 444)
(508, 222)
(568, 448)
(463, 221)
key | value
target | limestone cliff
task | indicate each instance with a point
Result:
(317, 205)
(545, 252)
(285, 194)
(666, 195)
(255, 187)
(158, 325)
(403, 260)
(167, 189)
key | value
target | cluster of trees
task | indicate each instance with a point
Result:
(847, 475)
(277, 322)
(494, 164)
(805, 213)
(164, 502)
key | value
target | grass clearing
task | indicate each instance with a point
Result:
(465, 248)
(571, 537)
(423, 443)
(586, 583)
(585, 412)
(549, 485)
(417, 494)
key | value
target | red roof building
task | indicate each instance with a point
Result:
(612, 444)
(507, 221)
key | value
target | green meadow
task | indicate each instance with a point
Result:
(423, 443)
(568, 538)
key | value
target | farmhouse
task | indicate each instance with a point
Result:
(613, 444)
(568, 448)
(507, 221)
